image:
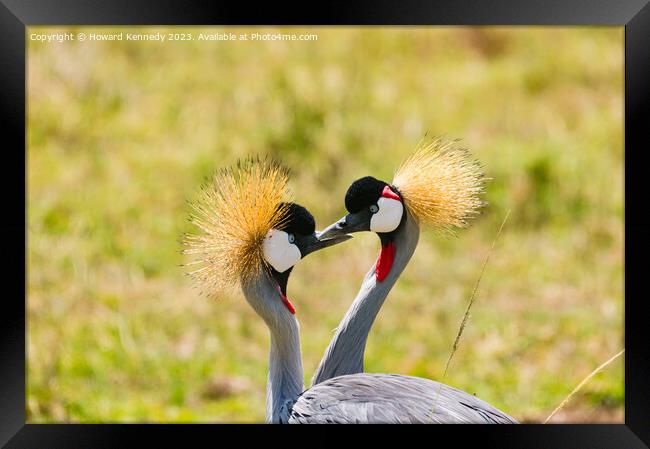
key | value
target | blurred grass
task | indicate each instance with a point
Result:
(121, 133)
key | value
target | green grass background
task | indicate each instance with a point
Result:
(121, 134)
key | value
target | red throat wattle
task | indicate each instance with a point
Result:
(286, 302)
(385, 261)
(387, 254)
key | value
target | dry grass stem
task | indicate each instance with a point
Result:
(472, 299)
(581, 384)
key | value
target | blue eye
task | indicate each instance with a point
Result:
(374, 208)
(291, 237)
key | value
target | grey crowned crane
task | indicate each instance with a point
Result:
(438, 185)
(253, 237)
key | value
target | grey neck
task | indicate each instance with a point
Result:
(285, 380)
(346, 350)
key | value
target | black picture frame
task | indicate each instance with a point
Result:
(16, 15)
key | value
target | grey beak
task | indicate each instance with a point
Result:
(316, 242)
(355, 222)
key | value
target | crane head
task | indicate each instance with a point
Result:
(249, 228)
(372, 205)
(439, 183)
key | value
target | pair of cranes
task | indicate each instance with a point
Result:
(252, 236)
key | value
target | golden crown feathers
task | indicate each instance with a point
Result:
(441, 184)
(234, 211)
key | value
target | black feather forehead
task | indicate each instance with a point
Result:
(363, 192)
(298, 220)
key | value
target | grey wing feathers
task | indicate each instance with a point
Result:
(391, 398)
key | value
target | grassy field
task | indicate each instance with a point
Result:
(121, 134)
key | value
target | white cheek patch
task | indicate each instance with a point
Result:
(387, 218)
(278, 252)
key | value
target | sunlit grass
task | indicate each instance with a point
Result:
(121, 134)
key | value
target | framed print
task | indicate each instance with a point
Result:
(177, 163)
